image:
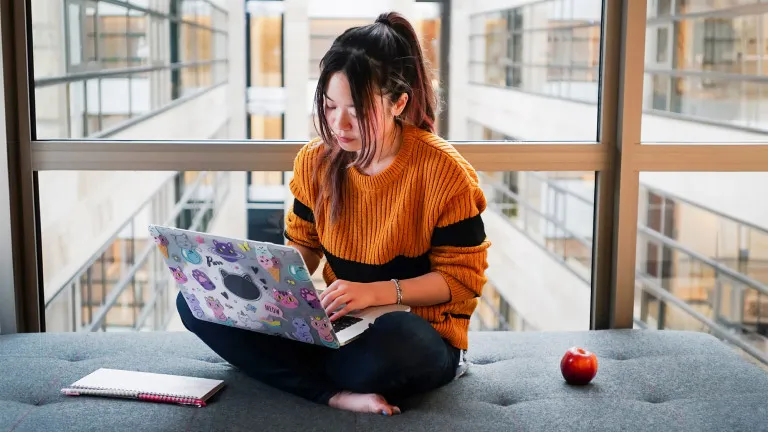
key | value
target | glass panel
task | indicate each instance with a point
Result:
(96, 246)
(703, 240)
(538, 56)
(518, 70)
(75, 27)
(72, 37)
(540, 224)
(95, 242)
(705, 77)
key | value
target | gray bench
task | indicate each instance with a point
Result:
(647, 380)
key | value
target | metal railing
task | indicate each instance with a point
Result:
(68, 298)
(733, 332)
(479, 317)
(524, 223)
(726, 105)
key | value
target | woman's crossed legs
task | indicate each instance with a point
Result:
(400, 355)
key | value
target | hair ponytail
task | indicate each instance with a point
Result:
(383, 58)
(422, 105)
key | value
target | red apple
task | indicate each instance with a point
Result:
(578, 366)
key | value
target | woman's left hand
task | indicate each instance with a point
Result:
(353, 295)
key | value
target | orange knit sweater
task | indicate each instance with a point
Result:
(420, 215)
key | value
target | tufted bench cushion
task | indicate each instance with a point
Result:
(647, 380)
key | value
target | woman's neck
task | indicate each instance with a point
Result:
(386, 152)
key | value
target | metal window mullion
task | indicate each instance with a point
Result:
(614, 250)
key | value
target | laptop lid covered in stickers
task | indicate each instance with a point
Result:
(257, 286)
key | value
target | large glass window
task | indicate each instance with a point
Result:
(706, 63)
(549, 47)
(702, 256)
(100, 64)
(141, 109)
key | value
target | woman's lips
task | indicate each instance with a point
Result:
(345, 140)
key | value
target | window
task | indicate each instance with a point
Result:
(544, 48)
(662, 40)
(123, 61)
(132, 103)
(714, 68)
(704, 255)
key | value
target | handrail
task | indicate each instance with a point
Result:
(169, 16)
(733, 274)
(502, 320)
(106, 73)
(677, 197)
(724, 76)
(660, 292)
(80, 270)
(557, 187)
(108, 132)
(525, 204)
(123, 283)
(739, 277)
(674, 244)
(653, 287)
(147, 309)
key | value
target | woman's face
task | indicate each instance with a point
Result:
(342, 119)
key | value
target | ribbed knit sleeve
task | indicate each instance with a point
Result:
(459, 244)
(300, 221)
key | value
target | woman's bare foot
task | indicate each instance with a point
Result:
(365, 403)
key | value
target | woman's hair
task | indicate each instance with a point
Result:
(383, 59)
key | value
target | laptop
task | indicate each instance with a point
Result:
(258, 286)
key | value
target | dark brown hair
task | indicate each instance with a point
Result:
(379, 59)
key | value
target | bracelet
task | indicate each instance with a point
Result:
(399, 291)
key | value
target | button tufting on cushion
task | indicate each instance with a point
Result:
(661, 380)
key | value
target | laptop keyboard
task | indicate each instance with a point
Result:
(345, 322)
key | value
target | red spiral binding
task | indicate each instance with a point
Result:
(171, 399)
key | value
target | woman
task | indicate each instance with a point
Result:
(396, 212)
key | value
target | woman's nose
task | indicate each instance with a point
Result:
(341, 121)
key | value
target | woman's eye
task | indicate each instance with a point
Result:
(329, 108)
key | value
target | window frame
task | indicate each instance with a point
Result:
(617, 155)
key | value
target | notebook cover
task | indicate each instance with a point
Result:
(146, 386)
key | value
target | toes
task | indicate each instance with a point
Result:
(387, 410)
(383, 409)
(380, 405)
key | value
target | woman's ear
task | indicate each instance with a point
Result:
(399, 106)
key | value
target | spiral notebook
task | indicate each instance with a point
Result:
(146, 386)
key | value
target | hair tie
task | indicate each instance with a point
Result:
(384, 21)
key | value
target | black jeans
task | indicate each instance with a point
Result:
(400, 355)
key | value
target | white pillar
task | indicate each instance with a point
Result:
(236, 55)
(296, 69)
(459, 70)
(404, 7)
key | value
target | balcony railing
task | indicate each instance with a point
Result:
(94, 298)
(730, 309)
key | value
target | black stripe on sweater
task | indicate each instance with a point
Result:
(400, 267)
(446, 315)
(302, 211)
(465, 233)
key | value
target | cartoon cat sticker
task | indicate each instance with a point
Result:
(302, 332)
